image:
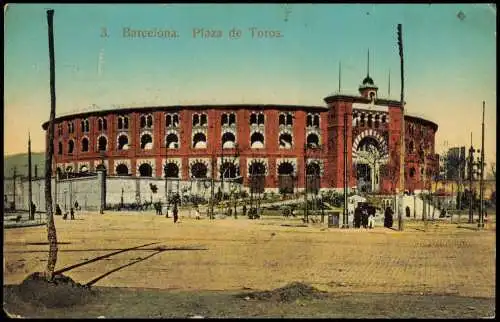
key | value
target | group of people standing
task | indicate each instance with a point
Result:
(364, 215)
(175, 211)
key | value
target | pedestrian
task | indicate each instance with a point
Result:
(175, 213)
(196, 212)
(407, 209)
(371, 220)
(58, 210)
(388, 217)
(364, 217)
(72, 213)
(33, 208)
(244, 210)
(76, 205)
(357, 217)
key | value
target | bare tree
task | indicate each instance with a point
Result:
(49, 151)
(374, 158)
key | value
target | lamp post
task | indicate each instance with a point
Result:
(402, 139)
(345, 219)
(481, 178)
(306, 217)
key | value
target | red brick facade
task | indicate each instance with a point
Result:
(371, 118)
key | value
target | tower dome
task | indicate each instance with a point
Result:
(368, 88)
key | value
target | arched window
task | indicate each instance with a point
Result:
(228, 170)
(71, 146)
(168, 120)
(123, 142)
(224, 119)
(102, 143)
(377, 121)
(171, 170)
(149, 121)
(282, 119)
(260, 119)
(257, 141)
(199, 141)
(172, 141)
(145, 170)
(256, 168)
(312, 140)
(370, 120)
(199, 170)
(60, 150)
(120, 123)
(121, 170)
(289, 119)
(143, 121)
(313, 169)
(146, 141)
(232, 119)
(228, 140)
(309, 121)
(125, 122)
(85, 145)
(176, 120)
(285, 140)
(99, 124)
(316, 120)
(196, 119)
(203, 119)
(253, 118)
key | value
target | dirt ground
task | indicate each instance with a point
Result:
(144, 251)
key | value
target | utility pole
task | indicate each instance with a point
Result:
(212, 188)
(402, 139)
(481, 178)
(345, 219)
(166, 177)
(306, 217)
(51, 229)
(14, 186)
(471, 173)
(30, 191)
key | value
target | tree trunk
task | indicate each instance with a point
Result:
(49, 151)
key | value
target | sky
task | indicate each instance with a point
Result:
(449, 49)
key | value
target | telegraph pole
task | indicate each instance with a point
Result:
(471, 173)
(481, 182)
(306, 217)
(166, 178)
(14, 186)
(30, 194)
(212, 189)
(402, 149)
(345, 215)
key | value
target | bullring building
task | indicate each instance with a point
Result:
(280, 144)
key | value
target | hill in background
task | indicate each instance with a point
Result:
(20, 161)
